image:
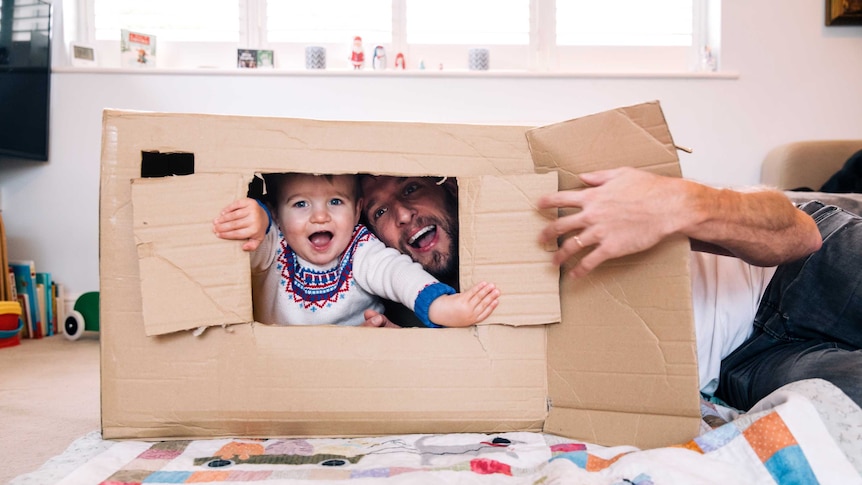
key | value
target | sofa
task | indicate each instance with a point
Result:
(797, 166)
(806, 163)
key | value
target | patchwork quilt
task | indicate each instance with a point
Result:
(806, 433)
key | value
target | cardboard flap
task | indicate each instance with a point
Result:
(635, 136)
(626, 344)
(643, 430)
(499, 227)
(189, 277)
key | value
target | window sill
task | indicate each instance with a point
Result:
(455, 73)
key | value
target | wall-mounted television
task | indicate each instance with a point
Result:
(25, 78)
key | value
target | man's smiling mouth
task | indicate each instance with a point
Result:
(423, 237)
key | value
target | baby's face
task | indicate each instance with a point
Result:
(317, 215)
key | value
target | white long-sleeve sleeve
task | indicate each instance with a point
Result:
(290, 291)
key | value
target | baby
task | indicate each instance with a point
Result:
(318, 265)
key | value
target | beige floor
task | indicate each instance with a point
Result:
(49, 397)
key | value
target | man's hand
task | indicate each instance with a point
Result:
(625, 211)
(374, 318)
(465, 309)
(243, 219)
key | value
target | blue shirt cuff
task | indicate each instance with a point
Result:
(268, 214)
(426, 297)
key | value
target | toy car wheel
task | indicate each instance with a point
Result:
(73, 327)
(334, 462)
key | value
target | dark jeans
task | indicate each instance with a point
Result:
(809, 322)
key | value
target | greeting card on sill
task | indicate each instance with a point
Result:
(137, 49)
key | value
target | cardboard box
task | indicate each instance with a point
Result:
(609, 359)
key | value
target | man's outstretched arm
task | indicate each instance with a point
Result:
(626, 210)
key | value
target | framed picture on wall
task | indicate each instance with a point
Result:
(843, 12)
(83, 55)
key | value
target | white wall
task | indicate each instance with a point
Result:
(797, 80)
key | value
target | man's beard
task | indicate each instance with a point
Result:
(442, 263)
(442, 267)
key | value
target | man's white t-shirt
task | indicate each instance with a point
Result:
(726, 292)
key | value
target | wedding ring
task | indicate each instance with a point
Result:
(578, 241)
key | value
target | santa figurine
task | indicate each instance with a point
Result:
(357, 57)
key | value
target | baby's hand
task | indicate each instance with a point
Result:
(243, 219)
(465, 309)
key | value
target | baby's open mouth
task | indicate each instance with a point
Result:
(423, 237)
(320, 239)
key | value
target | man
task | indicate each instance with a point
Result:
(419, 217)
(800, 267)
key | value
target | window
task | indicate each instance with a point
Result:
(536, 35)
(328, 21)
(477, 22)
(22, 20)
(627, 35)
(624, 23)
(175, 20)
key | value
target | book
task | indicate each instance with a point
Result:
(255, 58)
(12, 291)
(24, 300)
(8, 285)
(137, 49)
(44, 279)
(40, 308)
(25, 283)
(59, 306)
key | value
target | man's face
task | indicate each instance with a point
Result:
(418, 217)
